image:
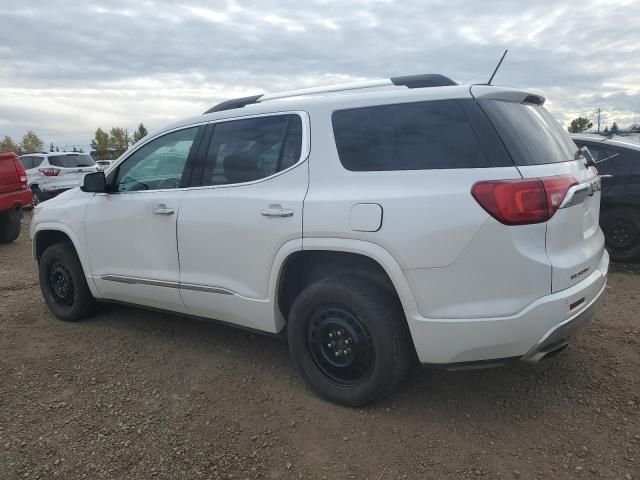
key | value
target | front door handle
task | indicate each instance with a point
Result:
(276, 211)
(162, 209)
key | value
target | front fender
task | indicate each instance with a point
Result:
(45, 226)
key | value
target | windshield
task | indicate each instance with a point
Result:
(530, 133)
(71, 161)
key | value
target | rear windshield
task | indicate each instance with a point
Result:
(407, 136)
(71, 161)
(530, 133)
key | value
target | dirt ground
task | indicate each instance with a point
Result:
(138, 394)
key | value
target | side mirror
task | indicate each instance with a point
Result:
(94, 182)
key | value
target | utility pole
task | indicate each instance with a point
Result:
(598, 112)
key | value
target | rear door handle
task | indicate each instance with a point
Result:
(276, 211)
(162, 209)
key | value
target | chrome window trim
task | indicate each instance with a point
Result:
(305, 149)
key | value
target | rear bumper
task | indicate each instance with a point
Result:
(543, 327)
(12, 200)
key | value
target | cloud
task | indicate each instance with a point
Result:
(68, 67)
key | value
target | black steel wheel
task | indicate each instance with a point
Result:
(63, 284)
(348, 339)
(340, 345)
(621, 227)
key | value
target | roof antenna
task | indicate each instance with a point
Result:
(497, 67)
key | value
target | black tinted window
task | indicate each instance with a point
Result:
(71, 161)
(246, 150)
(532, 136)
(408, 136)
(599, 154)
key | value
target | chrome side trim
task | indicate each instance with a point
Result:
(165, 283)
(205, 288)
(140, 281)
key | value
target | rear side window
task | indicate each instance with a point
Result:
(71, 161)
(27, 162)
(246, 150)
(599, 154)
(30, 162)
(530, 133)
(407, 136)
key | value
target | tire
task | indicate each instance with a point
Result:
(374, 337)
(10, 225)
(36, 195)
(63, 284)
(621, 227)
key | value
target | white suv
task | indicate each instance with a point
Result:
(49, 174)
(380, 224)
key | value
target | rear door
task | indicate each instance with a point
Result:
(540, 148)
(247, 209)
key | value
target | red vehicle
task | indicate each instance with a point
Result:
(14, 194)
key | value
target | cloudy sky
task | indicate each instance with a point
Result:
(68, 67)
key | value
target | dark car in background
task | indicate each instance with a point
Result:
(619, 164)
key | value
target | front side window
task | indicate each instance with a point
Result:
(254, 148)
(158, 165)
(407, 136)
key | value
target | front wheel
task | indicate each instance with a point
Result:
(348, 340)
(63, 284)
(621, 227)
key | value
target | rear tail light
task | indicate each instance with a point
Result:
(522, 202)
(22, 175)
(50, 172)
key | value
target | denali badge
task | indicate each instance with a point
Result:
(580, 273)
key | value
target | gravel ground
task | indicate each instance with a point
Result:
(137, 394)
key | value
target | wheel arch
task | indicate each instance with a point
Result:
(46, 234)
(366, 256)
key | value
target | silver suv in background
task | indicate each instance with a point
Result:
(49, 174)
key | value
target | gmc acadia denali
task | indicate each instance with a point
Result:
(380, 224)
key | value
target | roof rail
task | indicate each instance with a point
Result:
(409, 81)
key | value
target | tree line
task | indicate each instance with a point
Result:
(582, 124)
(107, 145)
(112, 144)
(30, 143)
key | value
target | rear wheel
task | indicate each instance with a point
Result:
(63, 284)
(36, 195)
(10, 225)
(348, 340)
(621, 227)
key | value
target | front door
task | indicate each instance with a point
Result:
(131, 232)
